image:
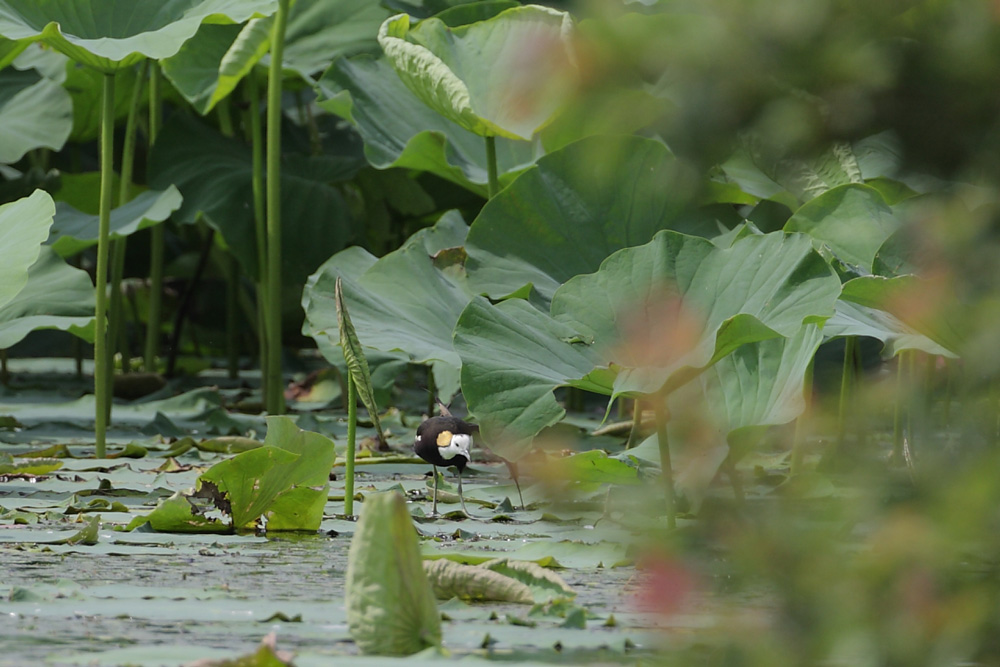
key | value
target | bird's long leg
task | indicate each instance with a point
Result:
(434, 509)
(460, 498)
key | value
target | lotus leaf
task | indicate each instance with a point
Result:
(35, 112)
(24, 224)
(57, 296)
(507, 76)
(108, 34)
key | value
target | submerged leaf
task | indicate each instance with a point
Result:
(390, 604)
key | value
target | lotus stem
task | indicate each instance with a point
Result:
(897, 411)
(255, 137)
(352, 426)
(802, 423)
(232, 270)
(431, 392)
(274, 402)
(185, 303)
(493, 182)
(101, 384)
(635, 431)
(232, 316)
(949, 388)
(846, 391)
(662, 417)
(115, 316)
(157, 241)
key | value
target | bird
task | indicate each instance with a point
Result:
(445, 441)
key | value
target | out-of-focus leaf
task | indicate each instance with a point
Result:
(507, 76)
(853, 220)
(513, 355)
(853, 319)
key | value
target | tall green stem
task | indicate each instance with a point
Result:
(846, 390)
(157, 240)
(352, 425)
(662, 417)
(802, 423)
(897, 410)
(116, 310)
(493, 182)
(101, 385)
(256, 139)
(274, 400)
(232, 269)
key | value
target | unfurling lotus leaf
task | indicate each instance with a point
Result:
(391, 608)
(471, 582)
(507, 76)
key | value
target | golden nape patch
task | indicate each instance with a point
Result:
(444, 439)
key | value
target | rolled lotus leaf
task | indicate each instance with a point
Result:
(507, 76)
(391, 609)
(544, 583)
(469, 582)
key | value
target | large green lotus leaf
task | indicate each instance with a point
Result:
(725, 413)
(924, 306)
(507, 76)
(291, 461)
(24, 224)
(852, 220)
(73, 231)
(207, 67)
(667, 309)
(391, 608)
(852, 319)
(57, 296)
(401, 131)
(513, 356)
(320, 31)
(795, 181)
(214, 173)
(761, 384)
(573, 209)
(107, 34)
(409, 300)
(35, 112)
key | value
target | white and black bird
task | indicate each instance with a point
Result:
(445, 441)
